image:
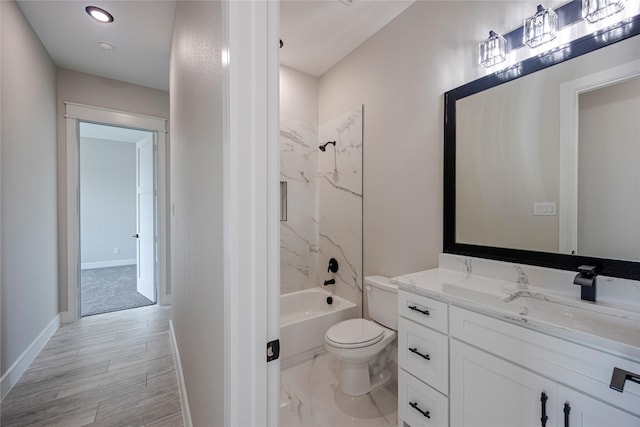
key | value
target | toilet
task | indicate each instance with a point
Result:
(362, 346)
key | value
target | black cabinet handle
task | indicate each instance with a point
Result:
(137, 236)
(543, 405)
(424, 356)
(414, 405)
(620, 376)
(567, 409)
(414, 308)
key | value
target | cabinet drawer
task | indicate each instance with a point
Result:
(423, 310)
(424, 353)
(419, 404)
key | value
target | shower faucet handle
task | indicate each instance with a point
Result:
(333, 265)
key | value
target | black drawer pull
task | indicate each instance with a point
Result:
(424, 356)
(620, 376)
(414, 405)
(543, 403)
(567, 409)
(414, 308)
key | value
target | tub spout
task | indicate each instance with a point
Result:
(330, 282)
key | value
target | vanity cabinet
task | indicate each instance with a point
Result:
(488, 391)
(498, 373)
(577, 409)
(423, 358)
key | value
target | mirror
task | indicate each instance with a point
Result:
(523, 184)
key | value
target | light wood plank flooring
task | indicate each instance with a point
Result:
(113, 369)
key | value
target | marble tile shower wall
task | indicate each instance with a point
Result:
(324, 205)
(340, 193)
(299, 233)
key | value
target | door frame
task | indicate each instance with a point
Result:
(251, 199)
(75, 113)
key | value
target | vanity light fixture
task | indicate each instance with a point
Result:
(596, 10)
(493, 50)
(540, 28)
(99, 14)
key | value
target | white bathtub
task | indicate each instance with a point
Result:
(305, 317)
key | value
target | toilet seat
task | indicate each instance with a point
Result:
(354, 333)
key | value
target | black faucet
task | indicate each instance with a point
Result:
(586, 278)
(330, 282)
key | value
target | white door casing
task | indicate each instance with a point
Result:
(75, 113)
(251, 211)
(145, 218)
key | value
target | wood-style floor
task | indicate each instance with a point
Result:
(113, 369)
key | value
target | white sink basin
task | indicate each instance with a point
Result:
(591, 318)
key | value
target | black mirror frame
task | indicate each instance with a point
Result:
(581, 46)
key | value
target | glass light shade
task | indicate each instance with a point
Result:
(493, 50)
(540, 28)
(595, 10)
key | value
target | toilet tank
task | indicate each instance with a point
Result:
(382, 299)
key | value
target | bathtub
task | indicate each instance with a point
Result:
(305, 317)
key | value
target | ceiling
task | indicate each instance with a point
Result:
(317, 34)
(140, 35)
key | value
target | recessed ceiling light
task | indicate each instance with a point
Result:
(98, 14)
(105, 46)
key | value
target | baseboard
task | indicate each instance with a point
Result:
(104, 264)
(67, 317)
(184, 402)
(13, 374)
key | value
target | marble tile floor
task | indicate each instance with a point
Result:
(113, 369)
(310, 397)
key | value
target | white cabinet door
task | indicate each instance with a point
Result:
(488, 391)
(584, 411)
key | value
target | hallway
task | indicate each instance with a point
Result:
(104, 370)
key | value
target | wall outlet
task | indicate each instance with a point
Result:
(116, 251)
(544, 209)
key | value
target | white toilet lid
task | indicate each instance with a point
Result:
(354, 333)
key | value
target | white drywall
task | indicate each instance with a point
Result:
(107, 201)
(29, 220)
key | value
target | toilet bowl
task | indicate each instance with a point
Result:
(363, 346)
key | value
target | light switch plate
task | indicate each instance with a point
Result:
(544, 209)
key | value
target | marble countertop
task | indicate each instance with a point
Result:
(607, 327)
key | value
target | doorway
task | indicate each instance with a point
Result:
(75, 114)
(117, 218)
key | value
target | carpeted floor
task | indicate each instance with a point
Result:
(109, 289)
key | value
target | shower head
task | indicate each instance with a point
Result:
(323, 147)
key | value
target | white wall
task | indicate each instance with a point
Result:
(197, 196)
(298, 96)
(400, 74)
(29, 220)
(107, 200)
(87, 89)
